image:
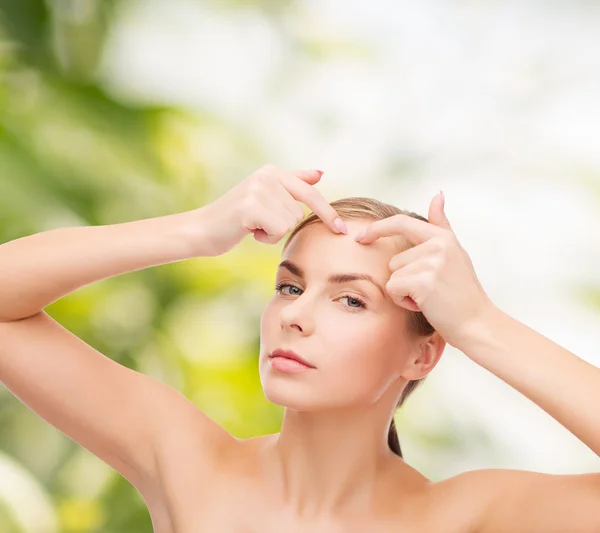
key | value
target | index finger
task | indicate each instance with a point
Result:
(415, 230)
(309, 195)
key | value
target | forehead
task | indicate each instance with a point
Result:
(319, 250)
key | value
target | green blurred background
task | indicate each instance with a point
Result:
(75, 151)
(70, 154)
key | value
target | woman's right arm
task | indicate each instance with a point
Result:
(38, 269)
(111, 410)
(131, 421)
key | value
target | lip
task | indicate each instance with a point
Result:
(289, 354)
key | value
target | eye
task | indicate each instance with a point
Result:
(354, 299)
(280, 286)
(361, 303)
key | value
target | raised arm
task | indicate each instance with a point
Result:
(39, 269)
(437, 277)
(128, 419)
(111, 410)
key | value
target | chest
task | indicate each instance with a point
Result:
(229, 515)
(230, 503)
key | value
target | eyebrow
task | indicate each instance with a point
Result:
(333, 278)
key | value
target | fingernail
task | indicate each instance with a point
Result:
(317, 170)
(340, 226)
(361, 234)
(443, 199)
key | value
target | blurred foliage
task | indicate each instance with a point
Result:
(71, 154)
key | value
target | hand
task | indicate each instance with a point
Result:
(263, 204)
(436, 276)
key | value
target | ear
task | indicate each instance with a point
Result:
(426, 356)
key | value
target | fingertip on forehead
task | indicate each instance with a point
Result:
(397, 243)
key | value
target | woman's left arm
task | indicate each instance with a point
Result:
(568, 389)
(561, 383)
(436, 277)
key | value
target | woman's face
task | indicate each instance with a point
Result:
(359, 351)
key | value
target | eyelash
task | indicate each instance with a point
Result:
(362, 303)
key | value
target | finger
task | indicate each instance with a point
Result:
(305, 193)
(405, 258)
(411, 255)
(415, 230)
(401, 290)
(272, 225)
(436, 214)
(311, 176)
(408, 303)
(285, 205)
(275, 205)
(292, 206)
(260, 235)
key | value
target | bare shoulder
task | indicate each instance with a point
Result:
(467, 500)
(537, 501)
(455, 503)
(468, 496)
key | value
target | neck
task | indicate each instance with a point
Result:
(328, 461)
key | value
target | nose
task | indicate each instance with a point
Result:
(297, 315)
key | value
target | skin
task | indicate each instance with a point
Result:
(331, 454)
(329, 469)
(191, 471)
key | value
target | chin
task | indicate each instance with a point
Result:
(300, 396)
(297, 396)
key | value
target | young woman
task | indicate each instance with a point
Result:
(368, 317)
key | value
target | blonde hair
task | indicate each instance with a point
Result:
(364, 208)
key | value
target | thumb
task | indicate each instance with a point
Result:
(309, 176)
(436, 213)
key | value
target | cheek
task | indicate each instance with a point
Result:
(364, 342)
(364, 355)
(268, 317)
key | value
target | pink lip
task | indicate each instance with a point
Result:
(289, 354)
